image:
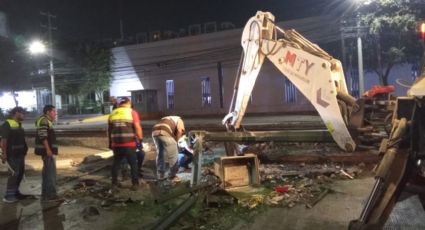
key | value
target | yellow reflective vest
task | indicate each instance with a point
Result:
(121, 128)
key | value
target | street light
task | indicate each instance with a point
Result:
(38, 47)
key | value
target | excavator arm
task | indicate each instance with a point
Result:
(316, 74)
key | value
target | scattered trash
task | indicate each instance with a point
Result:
(346, 174)
(274, 200)
(253, 201)
(319, 198)
(87, 182)
(281, 188)
(66, 202)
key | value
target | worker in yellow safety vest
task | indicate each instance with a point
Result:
(124, 134)
(14, 148)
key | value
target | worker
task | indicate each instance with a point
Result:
(46, 147)
(185, 154)
(140, 158)
(124, 132)
(140, 155)
(14, 148)
(165, 135)
(114, 102)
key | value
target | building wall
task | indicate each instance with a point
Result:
(185, 60)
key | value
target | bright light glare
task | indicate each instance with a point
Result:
(26, 99)
(364, 2)
(37, 47)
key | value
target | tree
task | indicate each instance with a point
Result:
(86, 71)
(391, 34)
(96, 66)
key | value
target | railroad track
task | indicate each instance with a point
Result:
(101, 131)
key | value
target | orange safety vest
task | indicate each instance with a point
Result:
(121, 126)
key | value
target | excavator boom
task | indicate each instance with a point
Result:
(316, 74)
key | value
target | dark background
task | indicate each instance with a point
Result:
(100, 19)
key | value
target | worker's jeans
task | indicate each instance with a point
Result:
(140, 158)
(166, 148)
(185, 158)
(17, 162)
(130, 154)
(48, 184)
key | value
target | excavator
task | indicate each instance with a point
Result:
(320, 78)
(316, 74)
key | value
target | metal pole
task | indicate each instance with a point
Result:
(360, 57)
(52, 81)
(52, 69)
(50, 50)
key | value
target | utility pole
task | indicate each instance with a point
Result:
(353, 32)
(360, 57)
(50, 53)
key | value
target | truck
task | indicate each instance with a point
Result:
(320, 78)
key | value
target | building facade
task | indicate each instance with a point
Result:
(195, 75)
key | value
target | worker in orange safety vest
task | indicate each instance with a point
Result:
(124, 133)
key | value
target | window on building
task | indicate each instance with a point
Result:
(290, 92)
(169, 85)
(206, 91)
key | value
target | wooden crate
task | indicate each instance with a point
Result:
(237, 171)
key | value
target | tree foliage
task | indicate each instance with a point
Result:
(90, 70)
(96, 67)
(391, 34)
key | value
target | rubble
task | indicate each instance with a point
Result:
(292, 184)
(282, 185)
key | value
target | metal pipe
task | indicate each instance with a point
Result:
(173, 216)
(282, 136)
(371, 199)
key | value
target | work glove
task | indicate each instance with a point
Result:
(139, 146)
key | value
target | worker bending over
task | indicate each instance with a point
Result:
(165, 135)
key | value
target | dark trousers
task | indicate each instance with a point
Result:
(17, 163)
(128, 153)
(140, 158)
(48, 174)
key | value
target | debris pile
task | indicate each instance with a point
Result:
(271, 151)
(89, 187)
(298, 184)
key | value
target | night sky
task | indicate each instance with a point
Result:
(98, 19)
